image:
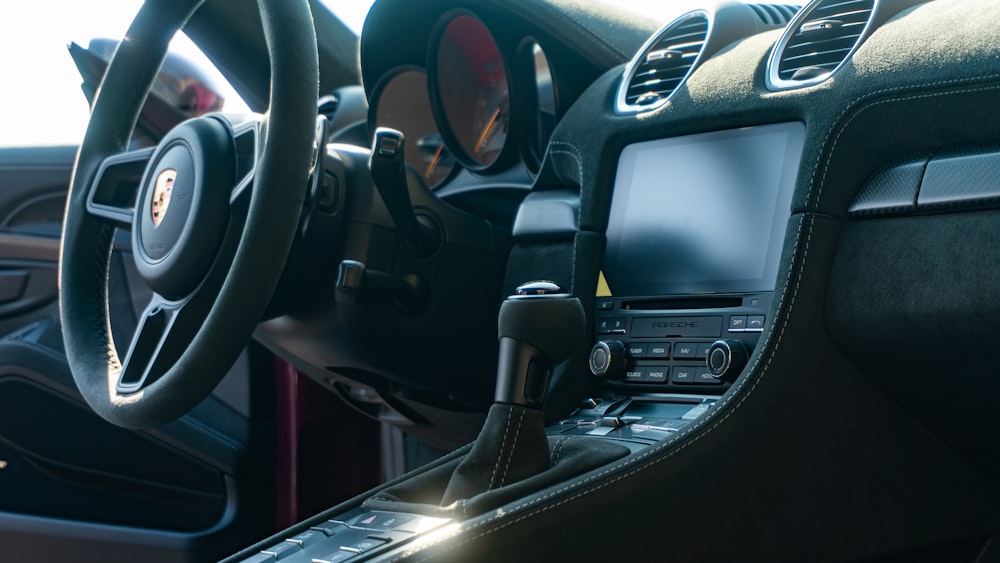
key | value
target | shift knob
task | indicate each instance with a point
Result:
(539, 326)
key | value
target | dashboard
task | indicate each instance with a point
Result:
(655, 167)
(695, 229)
(669, 171)
(782, 224)
(472, 112)
(477, 91)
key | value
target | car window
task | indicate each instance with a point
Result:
(42, 102)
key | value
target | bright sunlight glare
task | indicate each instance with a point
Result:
(41, 102)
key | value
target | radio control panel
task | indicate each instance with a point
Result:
(662, 344)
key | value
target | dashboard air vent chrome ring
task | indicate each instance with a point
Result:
(818, 41)
(663, 64)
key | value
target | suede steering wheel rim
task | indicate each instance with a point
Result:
(212, 221)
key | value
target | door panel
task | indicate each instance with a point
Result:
(33, 185)
(74, 487)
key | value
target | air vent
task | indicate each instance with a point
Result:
(774, 14)
(818, 41)
(663, 64)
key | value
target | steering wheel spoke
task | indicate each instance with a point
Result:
(247, 136)
(211, 249)
(157, 338)
(112, 193)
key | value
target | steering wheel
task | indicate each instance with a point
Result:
(213, 210)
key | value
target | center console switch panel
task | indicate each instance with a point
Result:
(641, 421)
(357, 535)
(662, 344)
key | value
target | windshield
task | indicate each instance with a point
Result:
(46, 105)
(351, 12)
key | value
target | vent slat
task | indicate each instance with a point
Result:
(793, 50)
(686, 39)
(820, 53)
(820, 41)
(654, 82)
(842, 5)
(854, 15)
(654, 79)
(658, 88)
(815, 59)
(643, 75)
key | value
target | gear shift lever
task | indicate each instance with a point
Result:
(538, 327)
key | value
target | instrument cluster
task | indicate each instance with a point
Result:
(481, 102)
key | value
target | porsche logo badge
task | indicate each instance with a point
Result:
(161, 194)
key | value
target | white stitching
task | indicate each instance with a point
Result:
(655, 450)
(579, 166)
(557, 451)
(493, 477)
(573, 152)
(866, 97)
(691, 429)
(513, 446)
(695, 426)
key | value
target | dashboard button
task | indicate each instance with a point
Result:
(329, 528)
(335, 557)
(635, 375)
(394, 521)
(705, 377)
(306, 539)
(605, 305)
(685, 351)
(755, 322)
(282, 550)
(658, 350)
(423, 524)
(703, 350)
(364, 545)
(656, 374)
(737, 323)
(636, 350)
(612, 421)
(683, 375)
(611, 325)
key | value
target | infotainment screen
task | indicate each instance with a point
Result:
(702, 213)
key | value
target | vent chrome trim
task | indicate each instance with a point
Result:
(773, 77)
(622, 107)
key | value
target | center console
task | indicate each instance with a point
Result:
(694, 241)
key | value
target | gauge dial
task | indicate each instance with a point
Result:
(473, 89)
(404, 104)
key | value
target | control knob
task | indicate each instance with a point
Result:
(726, 359)
(607, 359)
